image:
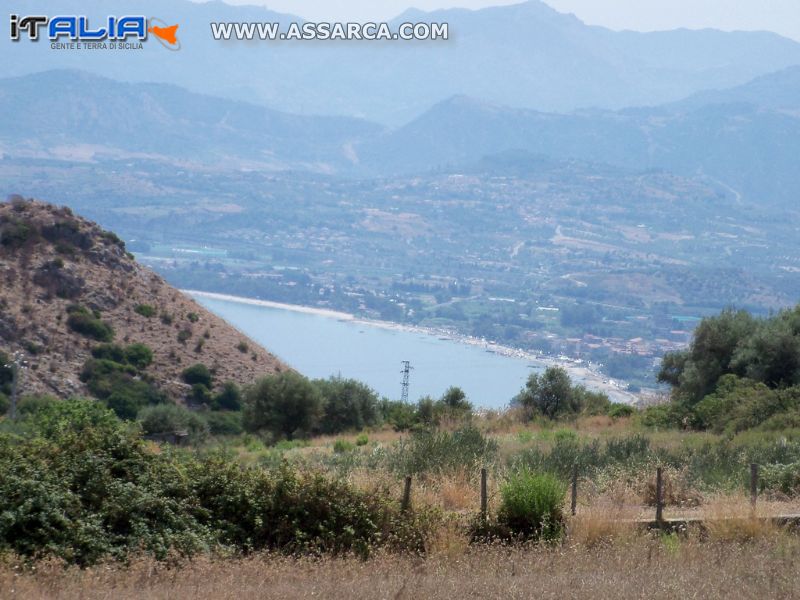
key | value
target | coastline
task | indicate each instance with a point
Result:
(580, 372)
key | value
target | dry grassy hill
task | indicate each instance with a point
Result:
(54, 264)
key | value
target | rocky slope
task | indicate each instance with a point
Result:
(54, 264)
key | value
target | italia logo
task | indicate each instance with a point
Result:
(74, 28)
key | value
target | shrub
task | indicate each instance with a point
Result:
(82, 321)
(200, 394)
(781, 478)
(552, 395)
(169, 418)
(15, 234)
(193, 317)
(139, 355)
(349, 405)
(362, 439)
(442, 451)
(224, 423)
(85, 488)
(184, 335)
(342, 446)
(242, 347)
(145, 310)
(286, 404)
(112, 352)
(114, 383)
(197, 373)
(32, 405)
(617, 410)
(228, 398)
(531, 505)
(400, 415)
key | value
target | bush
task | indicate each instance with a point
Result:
(138, 355)
(228, 398)
(442, 451)
(349, 405)
(197, 373)
(145, 310)
(552, 395)
(169, 418)
(116, 385)
(618, 410)
(200, 394)
(531, 506)
(32, 405)
(82, 321)
(399, 415)
(82, 486)
(193, 317)
(112, 352)
(224, 423)
(15, 234)
(287, 405)
(342, 446)
(362, 439)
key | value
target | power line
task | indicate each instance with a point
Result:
(406, 372)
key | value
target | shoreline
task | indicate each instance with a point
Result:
(581, 372)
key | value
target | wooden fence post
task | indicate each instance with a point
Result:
(406, 503)
(574, 501)
(753, 484)
(659, 497)
(484, 495)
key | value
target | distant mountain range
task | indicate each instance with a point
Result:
(747, 137)
(526, 55)
(54, 117)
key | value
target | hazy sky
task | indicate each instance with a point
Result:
(782, 16)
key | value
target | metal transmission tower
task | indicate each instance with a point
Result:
(406, 372)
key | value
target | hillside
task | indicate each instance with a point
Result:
(556, 63)
(732, 136)
(54, 118)
(55, 265)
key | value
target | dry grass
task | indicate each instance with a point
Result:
(645, 567)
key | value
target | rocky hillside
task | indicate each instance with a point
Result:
(69, 289)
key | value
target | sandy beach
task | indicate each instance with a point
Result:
(580, 372)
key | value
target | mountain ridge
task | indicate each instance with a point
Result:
(557, 63)
(69, 287)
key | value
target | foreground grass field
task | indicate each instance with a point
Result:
(706, 474)
(639, 567)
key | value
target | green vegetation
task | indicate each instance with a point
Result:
(198, 373)
(82, 486)
(552, 395)
(531, 505)
(287, 405)
(115, 375)
(228, 398)
(432, 451)
(145, 310)
(80, 320)
(348, 405)
(169, 418)
(739, 372)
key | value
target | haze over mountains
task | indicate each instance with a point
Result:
(746, 137)
(555, 63)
